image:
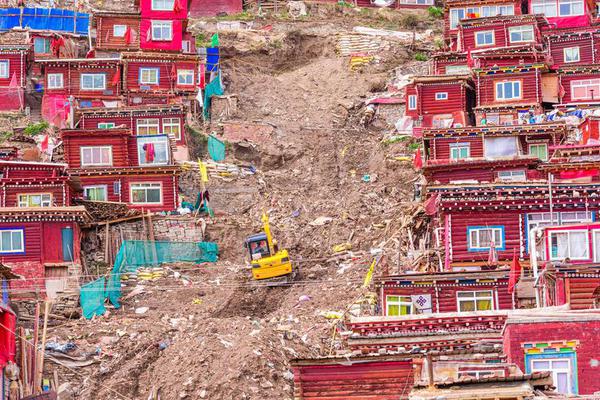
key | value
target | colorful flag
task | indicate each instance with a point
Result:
(515, 273)
(418, 161)
(214, 41)
(128, 35)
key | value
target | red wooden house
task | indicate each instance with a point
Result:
(14, 64)
(162, 25)
(504, 94)
(500, 31)
(479, 224)
(41, 244)
(489, 154)
(579, 85)
(33, 184)
(440, 101)
(564, 343)
(564, 13)
(449, 63)
(51, 45)
(452, 63)
(568, 47)
(115, 165)
(146, 120)
(458, 10)
(117, 31)
(159, 78)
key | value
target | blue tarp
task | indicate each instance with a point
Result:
(57, 20)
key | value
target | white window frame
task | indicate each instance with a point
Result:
(161, 25)
(515, 175)
(185, 73)
(412, 101)
(514, 84)
(400, 303)
(56, 81)
(21, 241)
(477, 246)
(99, 163)
(144, 186)
(154, 139)
(569, 255)
(568, 50)
(104, 188)
(543, 6)
(477, 42)
(106, 125)
(553, 371)
(587, 83)
(162, 5)
(455, 150)
(455, 17)
(146, 124)
(119, 30)
(186, 46)
(23, 199)
(93, 75)
(473, 298)
(478, 373)
(572, 3)
(46, 46)
(595, 237)
(544, 145)
(169, 123)
(148, 79)
(441, 96)
(521, 30)
(4, 69)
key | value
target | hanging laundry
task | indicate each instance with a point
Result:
(216, 148)
(128, 34)
(149, 151)
(116, 77)
(173, 73)
(418, 161)
(202, 76)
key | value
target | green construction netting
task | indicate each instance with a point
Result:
(134, 254)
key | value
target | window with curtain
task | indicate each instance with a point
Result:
(560, 369)
(547, 7)
(398, 305)
(482, 237)
(573, 245)
(475, 301)
(498, 147)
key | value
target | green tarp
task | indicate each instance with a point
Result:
(214, 88)
(216, 148)
(92, 298)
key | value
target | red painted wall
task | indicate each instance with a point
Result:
(72, 80)
(118, 140)
(17, 66)
(167, 75)
(146, 42)
(59, 189)
(147, 12)
(556, 46)
(531, 88)
(566, 79)
(391, 380)
(586, 332)
(105, 40)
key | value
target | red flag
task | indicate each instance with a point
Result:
(116, 77)
(176, 6)
(431, 204)
(202, 80)
(91, 54)
(44, 144)
(515, 274)
(173, 73)
(561, 91)
(14, 83)
(418, 161)
(128, 35)
(469, 59)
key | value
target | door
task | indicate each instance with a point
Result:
(67, 244)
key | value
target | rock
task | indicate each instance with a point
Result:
(142, 310)
(202, 394)
(265, 384)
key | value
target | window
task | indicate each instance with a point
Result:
(500, 147)
(162, 30)
(35, 200)
(172, 127)
(512, 176)
(412, 102)
(163, 5)
(41, 45)
(186, 46)
(96, 156)
(573, 245)
(482, 238)
(441, 96)
(561, 371)
(535, 220)
(456, 14)
(571, 54)
(596, 239)
(539, 150)
(147, 126)
(546, 7)
(521, 34)
(55, 81)
(149, 76)
(509, 90)
(93, 81)
(4, 68)
(460, 151)
(568, 8)
(480, 373)
(106, 125)
(585, 89)
(12, 241)
(153, 150)
(119, 30)
(457, 69)
(492, 11)
(485, 38)
(185, 77)
(95, 193)
(398, 305)
(146, 193)
(475, 301)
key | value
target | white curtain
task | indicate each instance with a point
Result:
(497, 147)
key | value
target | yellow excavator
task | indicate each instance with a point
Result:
(266, 260)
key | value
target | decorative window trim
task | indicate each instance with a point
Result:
(400, 303)
(93, 164)
(25, 203)
(479, 228)
(92, 88)
(52, 80)
(132, 187)
(519, 83)
(441, 96)
(477, 44)
(122, 30)
(572, 48)
(18, 229)
(474, 298)
(103, 187)
(155, 81)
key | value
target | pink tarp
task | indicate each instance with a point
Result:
(55, 109)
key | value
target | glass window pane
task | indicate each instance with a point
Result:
(541, 365)
(153, 196)
(484, 305)
(560, 364)
(16, 241)
(466, 305)
(5, 241)
(562, 382)
(393, 310)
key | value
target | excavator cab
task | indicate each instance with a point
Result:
(266, 260)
